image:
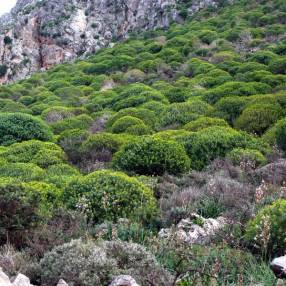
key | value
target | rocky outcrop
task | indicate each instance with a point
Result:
(195, 229)
(41, 33)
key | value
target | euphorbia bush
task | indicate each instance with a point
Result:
(107, 195)
(152, 156)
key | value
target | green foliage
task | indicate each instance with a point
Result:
(204, 122)
(271, 217)
(207, 36)
(17, 127)
(229, 108)
(22, 172)
(215, 142)
(247, 157)
(23, 207)
(146, 115)
(258, 118)
(42, 154)
(107, 195)
(235, 88)
(178, 114)
(152, 156)
(124, 123)
(278, 66)
(277, 134)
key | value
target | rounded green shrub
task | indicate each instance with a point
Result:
(139, 129)
(146, 115)
(21, 172)
(278, 66)
(251, 158)
(215, 142)
(152, 156)
(271, 218)
(107, 195)
(125, 122)
(204, 122)
(258, 118)
(229, 108)
(207, 36)
(277, 134)
(23, 207)
(235, 89)
(82, 122)
(18, 127)
(43, 154)
(178, 114)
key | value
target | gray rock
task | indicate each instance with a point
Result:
(21, 280)
(4, 279)
(62, 283)
(195, 229)
(278, 266)
(124, 280)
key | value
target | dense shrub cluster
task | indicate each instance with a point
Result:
(17, 127)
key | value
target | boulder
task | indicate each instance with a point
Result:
(124, 280)
(4, 279)
(278, 266)
(21, 280)
(195, 229)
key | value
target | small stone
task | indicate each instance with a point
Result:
(62, 283)
(278, 266)
(124, 280)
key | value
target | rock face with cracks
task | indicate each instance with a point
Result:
(39, 34)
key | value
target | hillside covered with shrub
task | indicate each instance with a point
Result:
(99, 155)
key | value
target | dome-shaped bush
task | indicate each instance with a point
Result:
(277, 134)
(21, 172)
(272, 218)
(204, 122)
(24, 206)
(17, 127)
(107, 195)
(43, 154)
(125, 122)
(177, 114)
(152, 156)
(215, 142)
(258, 118)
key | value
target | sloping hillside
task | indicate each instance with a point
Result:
(39, 34)
(161, 157)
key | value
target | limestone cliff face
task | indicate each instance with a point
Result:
(38, 34)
